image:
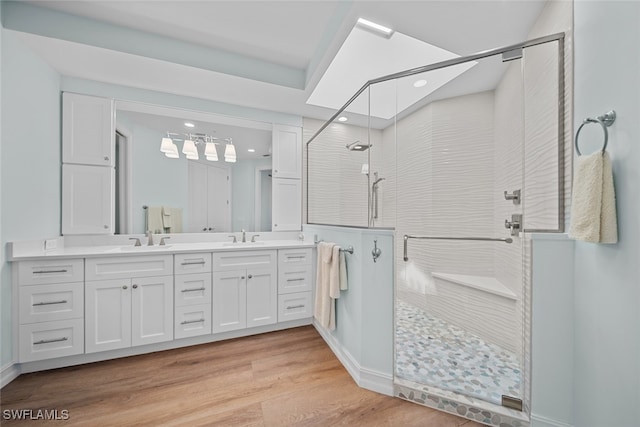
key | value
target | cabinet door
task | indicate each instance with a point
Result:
(107, 315)
(229, 301)
(88, 130)
(287, 152)
(152, 310)
(287, 205)
(262, 297)
(88, 205)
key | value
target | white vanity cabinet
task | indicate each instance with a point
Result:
(287, 152)
(192, 294)
(50, 309)
(295, 284)
(286, 212)
(88, 130)
(128, 301)
(88, 174)
(245, 292)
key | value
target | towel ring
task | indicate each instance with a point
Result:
(605, 121)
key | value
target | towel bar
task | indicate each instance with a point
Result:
(484, 239)
(348, 249)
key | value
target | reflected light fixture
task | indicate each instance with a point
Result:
(420, 83)
(190, 145)
(189, 124)
(376, 28)
(210, 152)
(342, 119)
(230, 152)
(251, 150)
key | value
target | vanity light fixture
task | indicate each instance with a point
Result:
(230, 152)
(210, 152)
(190, 145)
(377, 28)
(420, 83)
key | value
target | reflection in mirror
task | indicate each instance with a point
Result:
(191, 185)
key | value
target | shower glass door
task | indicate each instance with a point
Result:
(460, 291)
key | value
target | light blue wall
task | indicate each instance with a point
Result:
(30, 158)
(157, 180)
(364, 313)
(607, 277)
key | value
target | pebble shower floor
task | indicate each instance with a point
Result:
(433, 352)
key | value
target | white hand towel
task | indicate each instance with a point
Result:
(334, 273)
(593, 204)
(154, 219)
(166, 218)
(324, 307)
(343, 273)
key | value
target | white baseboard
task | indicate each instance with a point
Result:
(8, 373)
(366, 378)
(540, 421)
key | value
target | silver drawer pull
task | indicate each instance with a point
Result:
(193, 263)
(193, 290)
(186, 322)
(50, 341)
(50, 271)
(64, 301)
(291, 307)
(297, 257)
(295, 280)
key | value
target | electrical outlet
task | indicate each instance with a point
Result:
(50, 244)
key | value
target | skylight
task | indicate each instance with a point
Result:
(366, 55)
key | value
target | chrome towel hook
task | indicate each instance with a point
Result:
(376, 251)
(605, 121)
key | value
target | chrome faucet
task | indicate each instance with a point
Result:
(234, 238)
(244, 236)
(253, 238)
(149, 238)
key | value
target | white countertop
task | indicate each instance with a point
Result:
(31, 252)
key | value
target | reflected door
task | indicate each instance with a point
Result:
(209, 198)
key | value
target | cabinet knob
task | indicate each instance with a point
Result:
(250, 276)
(125, 287)
(210, 229)
(135, 286)
(106, 158)
(204, 229)
(276, 170)
(242, 277)
(275, 225)
(106, 226)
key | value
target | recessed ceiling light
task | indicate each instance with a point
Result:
(419, 83)
(251, 150)
(189, 124)
(342, 119)
(375, 27)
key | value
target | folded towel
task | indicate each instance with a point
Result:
(154, 219)
(334, 273)
(324, 307)
(343, 273)
(593, 204)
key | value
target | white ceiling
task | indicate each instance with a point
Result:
(303, 34)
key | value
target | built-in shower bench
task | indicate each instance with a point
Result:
(483, 283)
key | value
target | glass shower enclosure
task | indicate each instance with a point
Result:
(464, 159)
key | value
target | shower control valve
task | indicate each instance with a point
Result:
(514, 197)
(514, 225)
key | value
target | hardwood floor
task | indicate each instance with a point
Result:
(285, 378)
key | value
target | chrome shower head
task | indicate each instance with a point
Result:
(358, 146)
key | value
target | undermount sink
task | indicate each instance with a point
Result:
(137, 248)
(243, 244)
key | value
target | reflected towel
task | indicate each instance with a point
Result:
(154, 219)
(176, 220)
(324, 307)
(593, 204)
(166, 218)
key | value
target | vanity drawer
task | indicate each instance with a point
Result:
(192, 289)
(193, 320)
(225, 261)
(47, 340)
(44, 303)
(294, 257)
(294, 278)
(50, 271)
(294, 306)
(192, 263)
(128, 267)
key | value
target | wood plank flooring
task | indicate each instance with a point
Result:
(285, 378)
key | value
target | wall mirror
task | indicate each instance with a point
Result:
(202, 195)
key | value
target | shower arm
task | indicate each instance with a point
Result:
(484, 239)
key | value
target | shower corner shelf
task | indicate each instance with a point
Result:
(486, 284)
